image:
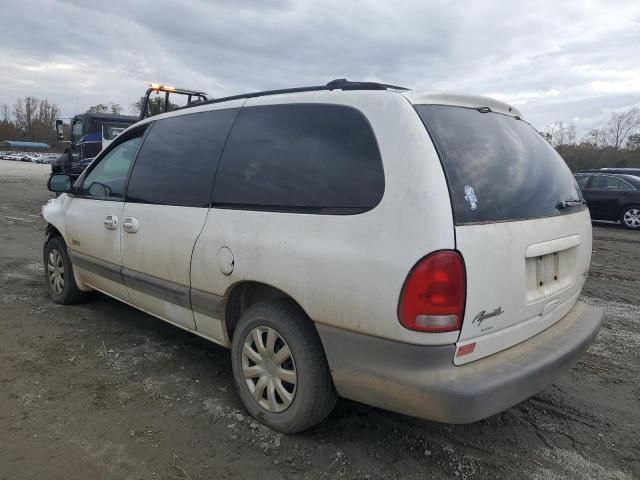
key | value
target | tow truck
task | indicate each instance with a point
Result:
(92, 132)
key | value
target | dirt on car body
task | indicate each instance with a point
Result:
(104, 391)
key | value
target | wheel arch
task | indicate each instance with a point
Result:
(242, 295)
(51, 231)
(54, 213)
(624, 209)
(626, 206)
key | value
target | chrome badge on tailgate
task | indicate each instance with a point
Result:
(483, 315)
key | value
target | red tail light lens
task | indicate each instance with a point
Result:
(433, 296)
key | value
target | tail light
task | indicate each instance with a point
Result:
(433, 295)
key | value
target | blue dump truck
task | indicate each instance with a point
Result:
(91, 132)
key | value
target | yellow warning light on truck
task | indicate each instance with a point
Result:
(162, 88)
(193, 97)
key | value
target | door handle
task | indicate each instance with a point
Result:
(111, 222)
(130, 224)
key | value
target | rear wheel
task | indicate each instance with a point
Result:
(279, 367)
(630, 217)
(58, 273)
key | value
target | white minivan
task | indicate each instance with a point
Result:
(419, 252)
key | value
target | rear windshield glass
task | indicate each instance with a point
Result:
(498, 167)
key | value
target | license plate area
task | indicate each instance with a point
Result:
(550, 273)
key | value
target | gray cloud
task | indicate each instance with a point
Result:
(554, 60)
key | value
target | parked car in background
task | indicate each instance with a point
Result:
(28, 156)
(612, 196)
(622, 170)
(419, 252)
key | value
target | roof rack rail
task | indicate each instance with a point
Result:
(344, 84)
(338, 84)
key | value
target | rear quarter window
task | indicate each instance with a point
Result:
(498, 167)
(311, 158)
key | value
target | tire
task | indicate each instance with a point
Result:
(630, 217)
(311, 397)
(57, 265)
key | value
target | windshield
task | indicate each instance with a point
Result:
(498, 167)
(76, 130)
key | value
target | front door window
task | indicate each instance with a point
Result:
(107, 179)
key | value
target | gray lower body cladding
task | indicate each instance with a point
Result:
(183, 296)
(107, 270)
(422, 381)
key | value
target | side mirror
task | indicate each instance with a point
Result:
(60, 183)
(60, 129)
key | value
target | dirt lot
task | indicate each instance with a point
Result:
(102, 391)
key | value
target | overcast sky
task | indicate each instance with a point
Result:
(555, 60)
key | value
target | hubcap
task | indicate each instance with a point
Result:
(269, 370)
(632, 217)
(55, 270)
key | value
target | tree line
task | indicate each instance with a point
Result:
(30, 119)
(615, 144)
(155, 106)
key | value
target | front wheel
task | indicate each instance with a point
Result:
(58, 273)
(279, 367)
(630, 217)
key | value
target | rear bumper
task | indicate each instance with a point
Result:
(422, 381)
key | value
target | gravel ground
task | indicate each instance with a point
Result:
(103, 391)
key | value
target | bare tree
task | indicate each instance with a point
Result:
(6, 114)
(596, 137)
(560, 133)
(25, 114)
(633, 141)
(44, 123)
(115, 108)
(621, 124)
(47, 113)
(571, 133)
(34, 120)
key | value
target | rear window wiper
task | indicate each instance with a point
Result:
(564, 204)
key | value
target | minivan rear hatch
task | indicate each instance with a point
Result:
(520, 224)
